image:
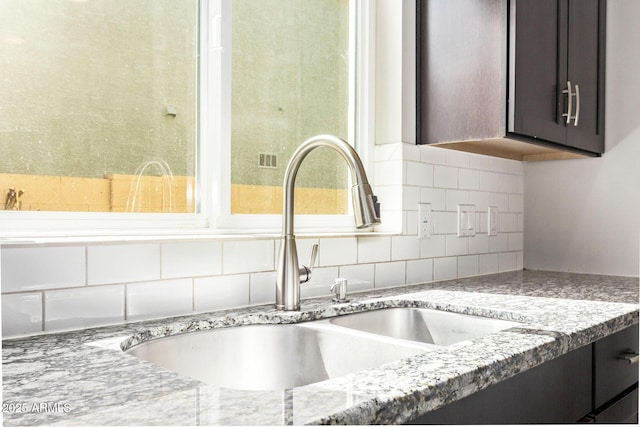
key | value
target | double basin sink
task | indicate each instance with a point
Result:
(273, 357)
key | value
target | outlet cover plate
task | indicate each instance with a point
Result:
(492, 221)
(424, 220)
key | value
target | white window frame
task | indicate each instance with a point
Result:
(213, 162)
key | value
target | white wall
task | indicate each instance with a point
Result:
(584, 215)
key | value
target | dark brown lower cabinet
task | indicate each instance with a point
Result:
(596, 383)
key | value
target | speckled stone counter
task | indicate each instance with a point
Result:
(84, 378)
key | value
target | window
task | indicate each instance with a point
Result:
(297, 68)
(99, 105)
(187, 109)
(289, 82)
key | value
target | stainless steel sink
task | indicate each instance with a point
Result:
(271, 357)
(275, 357)
(437, 327)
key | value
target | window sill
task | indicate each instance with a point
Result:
(170, 236)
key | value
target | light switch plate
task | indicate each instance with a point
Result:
(424, 220)
(492, 221)
(466, 220)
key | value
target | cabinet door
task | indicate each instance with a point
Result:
(557, 42)
(462, 71)
(540, 72)
(585, 61)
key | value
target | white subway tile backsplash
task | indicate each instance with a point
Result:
(520, 185)
(320, 284)
(393, 220)
(456, 245)
(405, 247)
(83, 307)
(501, 165)
(479, 244)
(383, 152)
(410, 152)
(262, 288)
(520, 260)
(433, 247)
(374, 249)
(455, 198)
(501, 201)
(215, 293)
(419, 174)
(410, 197)
(191, 259)
(481, 222)
(516, 168)
(489, 181)
(516, 241)
(488, 263)
(468, 266)
(28, 269)
(445, 222)
(480, 199)
(21, 314)
(508, 222)
(480, 162)
(420, 271)
(389, 196)
(411, 223)
(390, 274)
(508, 183)
(469, 179)
(445, 268)
(248, 256)
(457, 158)
(339, 251)
(360, 276)
(516, 203)
(434, 155)
(435, 196)
(445, 177)
(159, 298)
(499, 243)
(508, 261)
(123, 263)
(389, 172)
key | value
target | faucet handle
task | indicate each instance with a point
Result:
(305, 272)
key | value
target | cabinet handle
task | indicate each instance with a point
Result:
(577, 116)
(630, 357)
(569, 93)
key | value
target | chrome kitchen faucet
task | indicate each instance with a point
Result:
(366, 213)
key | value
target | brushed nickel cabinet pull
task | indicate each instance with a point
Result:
(630, 357)
(569, 93)
(577, 116)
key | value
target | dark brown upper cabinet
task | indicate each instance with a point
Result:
(558, 72)
(493, 77)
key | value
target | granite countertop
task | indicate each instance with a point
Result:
(83, 377)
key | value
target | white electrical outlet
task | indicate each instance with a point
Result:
(492, 221)
(424, 220)
(466, 220)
